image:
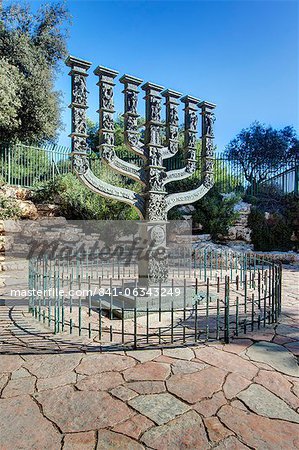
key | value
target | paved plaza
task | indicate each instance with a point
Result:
(58, 393)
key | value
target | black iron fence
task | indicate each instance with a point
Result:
(210, 295)
(26, 166)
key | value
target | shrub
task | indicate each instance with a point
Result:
(271, 233)
(78, 202)
(9, 208)
(215, 212)
(273, 220)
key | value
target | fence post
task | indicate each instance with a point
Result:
(296, 179)
(9, 164)
(226, 311)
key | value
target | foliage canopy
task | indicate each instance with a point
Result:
(31, 46)
(261, 148)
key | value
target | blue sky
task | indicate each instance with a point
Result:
(241, 55)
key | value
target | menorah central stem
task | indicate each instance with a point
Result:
(155, 192)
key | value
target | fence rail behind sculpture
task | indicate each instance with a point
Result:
(26, 166)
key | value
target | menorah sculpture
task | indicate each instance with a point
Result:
(154, 202)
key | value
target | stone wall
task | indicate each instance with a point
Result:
(240, 230)
(22, 198)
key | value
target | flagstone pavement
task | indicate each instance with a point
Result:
(236, 396)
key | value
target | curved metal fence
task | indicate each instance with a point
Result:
(210, 295)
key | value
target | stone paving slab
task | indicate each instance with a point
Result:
(135, 426)
(275, 355)
(80, 441)
(259, 432)
(63, 394)
(194, 386)
(209, 407)
(108, 440)
(160, 408)
(263, 402)
(23, 426)
(75, 410)
(187, 431)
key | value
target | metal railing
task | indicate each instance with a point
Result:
(26, 166)
(287, 180)
(224, 294)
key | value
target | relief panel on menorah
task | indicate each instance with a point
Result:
(155, 109)
(208, 180)
(173, 146)
(155, 158)
(192, 121)
(209, 165)
(173, 115)
(191, 166)
(107, 97)
(157, 207)
(79, 91)
(173, 133)
(155, 135)
(157, 235)
(108, 153)
(156, 178)
(132, 139)
(191, 140)
(209, 120)
(191, 154)
(107, 121)
(131, 102)
(81, 164)
(209, 151)
(79, 121)
(107, 138)
(131, 123)
(79, 144)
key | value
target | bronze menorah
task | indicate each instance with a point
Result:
(154, 202)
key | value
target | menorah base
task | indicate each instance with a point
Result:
(151, 300)
(153, 267)
(153, 271)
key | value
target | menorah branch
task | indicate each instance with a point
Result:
(113, 192)
(207, 156)
(106, 128)
(131, 116)
(79, 141)
(123, 167)
(190, 126)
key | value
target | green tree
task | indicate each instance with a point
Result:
(215, 212)
(10, 103)
(92, 131)
(259, 148)
(31, 47)
(274, 220)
